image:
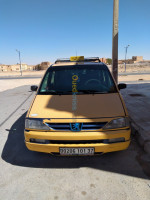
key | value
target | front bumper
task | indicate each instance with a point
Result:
(71, 136)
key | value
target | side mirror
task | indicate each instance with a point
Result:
(122, 86)
(34, 87)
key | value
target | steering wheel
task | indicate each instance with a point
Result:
(87, 82)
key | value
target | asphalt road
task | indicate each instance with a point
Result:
(133, 73)
(19, 77)
(37, 176)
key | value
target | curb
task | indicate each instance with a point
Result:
(142, 137)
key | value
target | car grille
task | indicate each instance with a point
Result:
(67, 142)
(76, 141)
(67, 126)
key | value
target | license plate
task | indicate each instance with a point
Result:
(76, 151)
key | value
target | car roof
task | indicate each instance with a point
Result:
(79, 63)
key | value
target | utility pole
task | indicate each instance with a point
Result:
(19, 61)
(126, 49)
(115, 40)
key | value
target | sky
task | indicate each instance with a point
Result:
(44, 30)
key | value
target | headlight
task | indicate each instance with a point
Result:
(35, 124)
(118, 123)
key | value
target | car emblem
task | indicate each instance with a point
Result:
(76, 126)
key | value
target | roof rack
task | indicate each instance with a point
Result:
(90, 59)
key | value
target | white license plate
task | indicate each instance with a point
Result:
(76, 151)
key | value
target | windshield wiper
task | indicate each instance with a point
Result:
(70, 92)
(55, 92)
(52, 92)
(92, 92)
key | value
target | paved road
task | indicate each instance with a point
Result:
(133, 73)
(135, 82)
(37, 176)
(19, 77)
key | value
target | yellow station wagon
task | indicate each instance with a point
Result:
(77, 110)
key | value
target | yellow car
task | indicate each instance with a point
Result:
(77, 110)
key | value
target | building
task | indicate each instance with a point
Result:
(103, 60)
(120, 62)
(137, 58)
(17, 67)
(45, 65)
(31, 67)
(3, 68)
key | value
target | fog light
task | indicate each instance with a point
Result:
(39, 141)
(114, 140)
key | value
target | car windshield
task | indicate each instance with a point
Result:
(79, 79)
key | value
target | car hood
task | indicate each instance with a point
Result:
(87, 106)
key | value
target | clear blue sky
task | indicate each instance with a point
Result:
(44, 30)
